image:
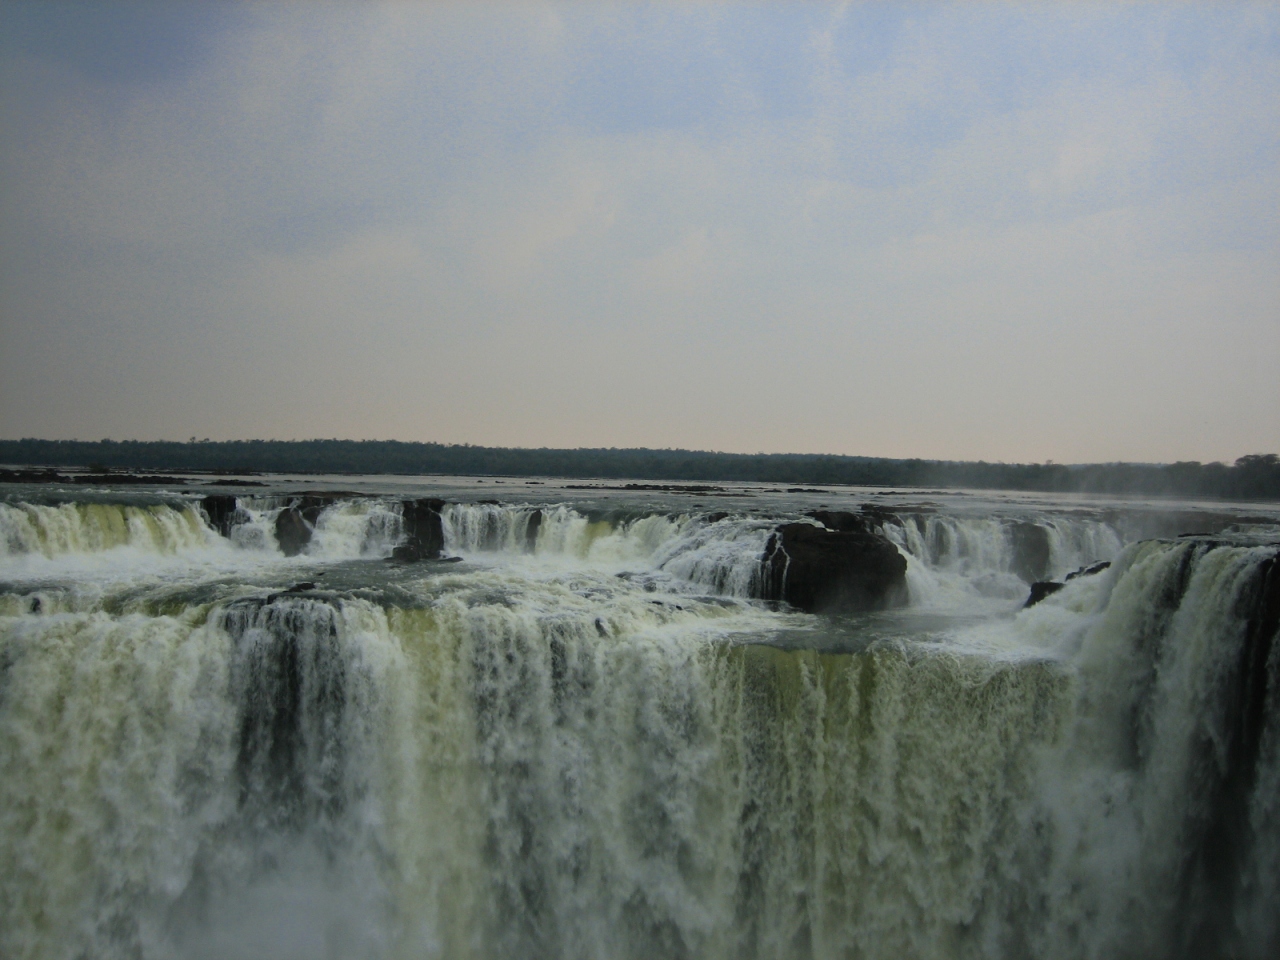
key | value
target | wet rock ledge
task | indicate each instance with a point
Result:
(841, 567)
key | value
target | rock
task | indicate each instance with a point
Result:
(47, 475)
(1041, 589)
(818, 570)
(222, 509)
(297, 588)
(296, 523)
(1044, 588)
(123, 479)
(842, 521)
(293, 532)
(423, 531)
(870, 519)
(1088, 571)
(531, 532)
(1030, 550)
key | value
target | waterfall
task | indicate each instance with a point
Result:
(525, 765)
(48, 531)
(718, 555)
(1158, 805)
(981, 563)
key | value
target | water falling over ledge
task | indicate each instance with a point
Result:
(603, 747)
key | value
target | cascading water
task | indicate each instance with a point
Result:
(586, 740)
(957, 562)
(349, 530)
(719, 555)
(79, 528)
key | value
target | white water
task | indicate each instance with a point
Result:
(528, 755)
(114, 541)
(368, 529)
(721, 557)
(78, 528)
(971, 563)
(345, 530)
(953, 562)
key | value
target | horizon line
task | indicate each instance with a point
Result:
(673, 450)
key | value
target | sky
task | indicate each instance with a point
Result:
(1000, 231)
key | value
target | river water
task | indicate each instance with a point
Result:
(596, 743)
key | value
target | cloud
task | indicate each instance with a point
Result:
(996, 231)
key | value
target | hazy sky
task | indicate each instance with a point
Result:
(982, 230)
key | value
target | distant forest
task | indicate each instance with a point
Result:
(1252, 477)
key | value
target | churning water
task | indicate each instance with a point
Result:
(587, 739)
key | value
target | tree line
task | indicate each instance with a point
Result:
(1256, 476)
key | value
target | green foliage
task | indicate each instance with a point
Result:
(1256, 476)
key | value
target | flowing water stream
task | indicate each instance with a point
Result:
(591, 741)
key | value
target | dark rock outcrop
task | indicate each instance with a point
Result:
(1041, 589)
(1045, 588)
(843, 521)
(423, 531)
(296, 523)
(1089, 570)
(871, 518)
(293, 532)
(50, 475)
(124, 479)
(1030, 550)
(222, 509)
(821, 570)
(298, 588)
(47, 475)
(531, 532)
